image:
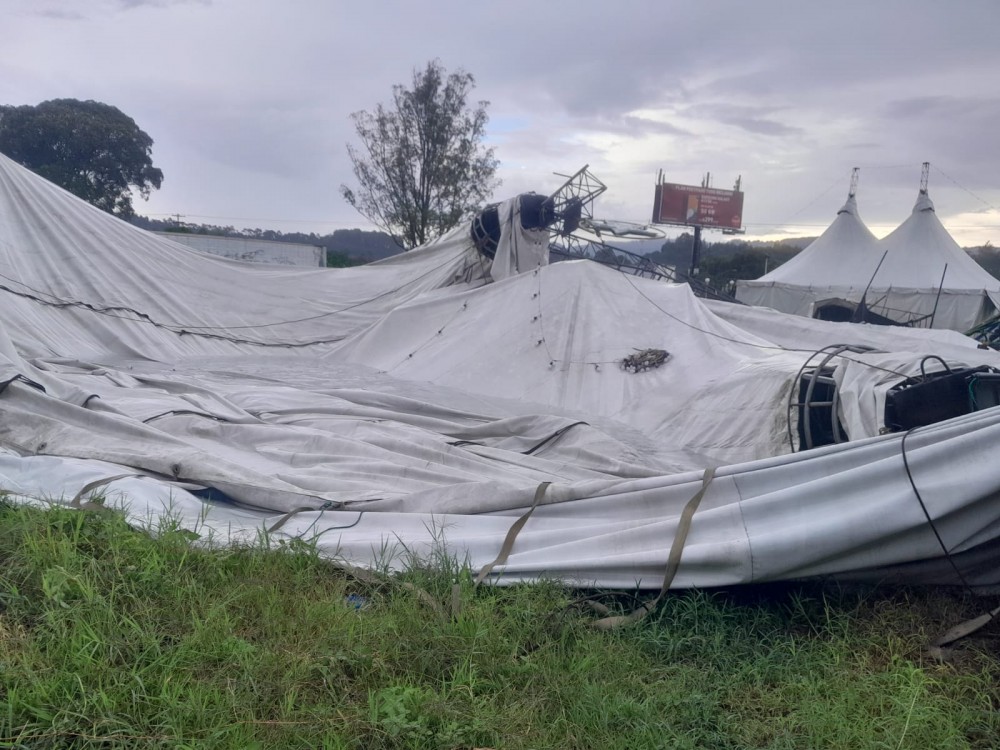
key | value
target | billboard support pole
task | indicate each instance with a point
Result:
(695, 252)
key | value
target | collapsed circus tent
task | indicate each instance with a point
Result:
(385, 410)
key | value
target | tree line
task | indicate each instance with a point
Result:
(421, 167)
(722, 264)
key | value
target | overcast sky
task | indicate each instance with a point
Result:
(248, 101)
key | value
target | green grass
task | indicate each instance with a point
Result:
(110, 638)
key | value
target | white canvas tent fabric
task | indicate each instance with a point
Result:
(920, 257)
(902, 276)
(77, 280)
(837, 264)
(405, 405)
(519, 250)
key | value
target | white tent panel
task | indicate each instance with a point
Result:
(917, 271)
(838, 263)
(411, 403)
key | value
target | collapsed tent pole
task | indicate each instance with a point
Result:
(938, 297)
(861, 304)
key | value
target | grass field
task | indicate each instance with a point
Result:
(110, 638)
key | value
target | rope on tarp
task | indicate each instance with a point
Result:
(968, 627)
(927, 515)
(530, 451)
(330, 505)
(755, 345)
(554, 436)
(180, 329)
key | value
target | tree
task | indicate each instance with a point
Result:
(986, 256)
(92, 149)
(422, 167)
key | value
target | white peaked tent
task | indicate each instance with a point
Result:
(384, 411)
(902, 277)
(836, 265)
(920, 258)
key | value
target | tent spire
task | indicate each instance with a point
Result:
(854, 182)
(923, 199)
(851, 206)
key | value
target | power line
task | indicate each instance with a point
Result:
(879, 226)
(962, 187)
(810, 204)
(777, 347)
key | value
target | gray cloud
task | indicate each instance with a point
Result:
(59, 14)
(131, 4)
(249, 107)
(758, 120)
(643, 126)
(943, 106)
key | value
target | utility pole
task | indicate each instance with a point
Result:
(706, 182)
(695, 252)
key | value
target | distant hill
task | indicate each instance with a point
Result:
(723, 261)
(344, 247)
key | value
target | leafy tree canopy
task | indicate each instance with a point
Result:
(92, 149)
(421, 167)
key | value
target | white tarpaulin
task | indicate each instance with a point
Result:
(410, 403)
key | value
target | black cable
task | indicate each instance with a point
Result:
(338, 311)
(463, 443)
(32, 383)
(959, 185)
(532, 449)
(927, 515)
(144, 318)
(185, 412)
(182, 329)
(775, 347)
(360, 513)
(555, 435)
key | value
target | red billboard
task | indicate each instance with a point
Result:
(698, 206)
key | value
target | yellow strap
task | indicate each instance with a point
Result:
(512, 532)
(673, 560)
(77, 501)
(965, 628)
